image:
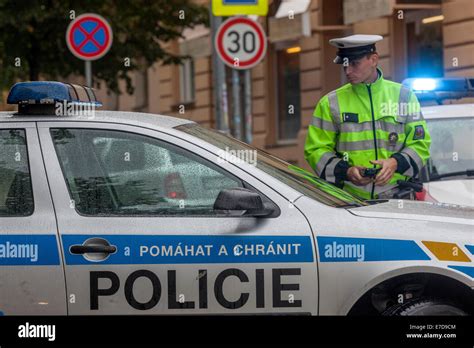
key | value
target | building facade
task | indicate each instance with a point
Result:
(421, 38)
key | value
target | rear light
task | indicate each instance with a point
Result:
(425, 196)
(420, 196)
(174, 187)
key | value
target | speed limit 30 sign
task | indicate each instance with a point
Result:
(241, 43)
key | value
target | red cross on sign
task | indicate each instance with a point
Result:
(89, 36)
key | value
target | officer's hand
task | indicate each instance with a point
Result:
(389, 166)
(354, 174)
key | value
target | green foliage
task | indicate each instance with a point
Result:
(35, 32)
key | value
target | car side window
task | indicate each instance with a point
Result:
(113, 173)
(16, 194)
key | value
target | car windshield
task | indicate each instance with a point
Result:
(452, 147)
(295, 177)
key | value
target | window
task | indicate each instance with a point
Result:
(296, 178)
(186, 81)
(16, 194)
(289, 108)
(424, 38)
(131, 174)
(141, 90)
(452, 145)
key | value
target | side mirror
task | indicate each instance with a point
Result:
(247, 202)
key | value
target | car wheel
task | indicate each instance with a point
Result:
(425, 306)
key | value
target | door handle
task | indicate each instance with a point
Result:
(86, 249)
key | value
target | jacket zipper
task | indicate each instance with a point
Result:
(375, 137)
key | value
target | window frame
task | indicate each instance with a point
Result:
(187, 81)
(283, 46)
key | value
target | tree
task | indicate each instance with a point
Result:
(32, 35)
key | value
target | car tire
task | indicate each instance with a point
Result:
(425, 306)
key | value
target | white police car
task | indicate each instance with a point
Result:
(448, 176)
(91, 222)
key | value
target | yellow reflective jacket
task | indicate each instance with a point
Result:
(358, 123)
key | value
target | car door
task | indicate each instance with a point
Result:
(31, 275)
(138, 238)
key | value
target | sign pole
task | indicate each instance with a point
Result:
(237, 110)
(220, 92)
(88, 73)
(248, 106)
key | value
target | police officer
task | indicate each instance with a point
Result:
(368, 123)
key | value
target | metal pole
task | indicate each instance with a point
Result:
(219, 80)
(248, 106)
(88, 69)
(237, 110)
(224, 105)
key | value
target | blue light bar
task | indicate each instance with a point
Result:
(424, 84)
(51, 92)
(447, 84)
(441, 88)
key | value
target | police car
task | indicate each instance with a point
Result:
(448, 176)
(95, 220)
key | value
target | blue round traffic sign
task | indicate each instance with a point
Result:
(89, 36)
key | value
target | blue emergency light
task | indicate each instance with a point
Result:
(42, 97)
(424, 84)
(439, 89)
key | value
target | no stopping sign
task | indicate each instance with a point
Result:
(241, 43)
(89, 36)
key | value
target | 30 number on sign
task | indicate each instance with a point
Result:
(247, 46)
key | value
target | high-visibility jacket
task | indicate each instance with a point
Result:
(358, 123)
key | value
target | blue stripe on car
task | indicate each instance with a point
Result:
(464, 269)
(202, 249)
(346, 249)
(470, 248)
(31, 250)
